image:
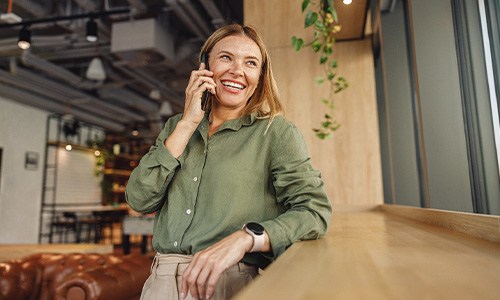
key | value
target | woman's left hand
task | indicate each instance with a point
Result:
(207, 266)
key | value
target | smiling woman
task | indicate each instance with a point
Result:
(232, 186)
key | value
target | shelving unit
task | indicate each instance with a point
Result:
(124, 155)
(61, 132)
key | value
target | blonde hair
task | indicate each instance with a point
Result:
(265, 99)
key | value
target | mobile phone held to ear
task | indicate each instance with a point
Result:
(204, 97)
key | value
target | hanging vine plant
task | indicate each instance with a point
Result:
(322, 17)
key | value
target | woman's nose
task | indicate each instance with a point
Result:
(236, 68)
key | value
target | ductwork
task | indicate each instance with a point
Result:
(41, 103)
(55, 71)
(213, 11)
(129, 98)
(151, 83)
(195, 16)
(76, 97)
(49, 95)
(186, 18)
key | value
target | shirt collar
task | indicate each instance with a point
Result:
(236, 124)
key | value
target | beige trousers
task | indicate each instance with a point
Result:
(164, 283)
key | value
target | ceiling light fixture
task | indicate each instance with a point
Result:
(95, 70)
(24, 38)
(135, 131)
(25, 33)
(91, 30)
(347, 2)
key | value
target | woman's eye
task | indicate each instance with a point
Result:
(252, 63)
(225, 57)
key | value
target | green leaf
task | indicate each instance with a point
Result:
(331, 75)
(297, 43)
(327, 48)
(323, 59)
(305, 4)
(321, 135)
(316, 45)
(325, 101)
(326, 124)
(334, 65)
(334, 13)
(327, 116)
(319, 25)
(319, 80)
(311, 18)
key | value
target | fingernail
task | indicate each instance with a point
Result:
(182, 295)
(208, 297)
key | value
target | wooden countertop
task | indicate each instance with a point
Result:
(15, 251)
(376, 254)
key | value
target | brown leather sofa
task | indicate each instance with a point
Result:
(74, 276)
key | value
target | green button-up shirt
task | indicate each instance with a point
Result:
(245, 172)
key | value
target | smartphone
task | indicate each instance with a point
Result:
(204, 97)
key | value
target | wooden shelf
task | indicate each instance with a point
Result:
(129, 156)
(117, 172)
(73, 146)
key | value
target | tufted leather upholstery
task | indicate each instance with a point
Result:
(74, 276)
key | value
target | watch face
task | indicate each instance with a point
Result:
(256, 228)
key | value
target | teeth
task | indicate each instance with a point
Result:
(233, 84)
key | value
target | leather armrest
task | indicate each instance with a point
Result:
(118, 281)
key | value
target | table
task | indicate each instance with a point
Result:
(94, 217)
(141, 225)
(378, 254)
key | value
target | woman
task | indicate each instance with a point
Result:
(232, 187)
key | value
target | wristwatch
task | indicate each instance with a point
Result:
(257, 232)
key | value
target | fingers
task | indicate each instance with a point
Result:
(201, 277)
(196, 74)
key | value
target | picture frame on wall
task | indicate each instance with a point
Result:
(1, 150)
(31, 160)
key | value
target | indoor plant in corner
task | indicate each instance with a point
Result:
(321, 15)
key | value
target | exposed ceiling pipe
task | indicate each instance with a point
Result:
(138, 6)
(195, 16)
(75, 94)
(36, 89)
(73, 53)
(33, 8)
(55, 71)
(39, 102)
(186, 19)
(129, 98)
(214, 12)
(150, 82)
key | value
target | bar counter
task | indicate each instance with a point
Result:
(389, 252)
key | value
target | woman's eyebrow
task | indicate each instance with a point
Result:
(230, 53)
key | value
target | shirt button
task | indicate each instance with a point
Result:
(195, 179)
(188, 211)
(175, 244)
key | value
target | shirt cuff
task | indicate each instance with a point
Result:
(277, 237)
(163, 157)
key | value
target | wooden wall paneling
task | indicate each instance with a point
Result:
(350, 162)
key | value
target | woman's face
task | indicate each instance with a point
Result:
(236, 62)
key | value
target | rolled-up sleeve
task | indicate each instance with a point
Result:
(148, 182)
(299, 188)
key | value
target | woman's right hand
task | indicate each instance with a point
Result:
(200, 81)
